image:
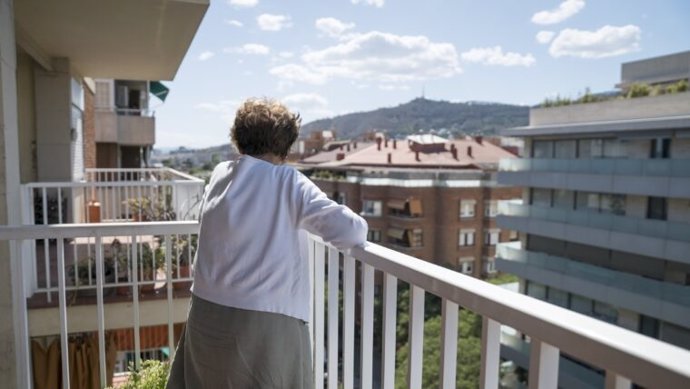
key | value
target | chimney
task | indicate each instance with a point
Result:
(454, 151)
(479, 139)
(340, 156)
(395, 144)
(378, 144)
(386, 144)
(348, 147)
(390, 158)
(416, 156)
(469, 151)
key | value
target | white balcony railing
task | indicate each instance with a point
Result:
(625, 356)
(114, 195)
(614, 166)
(662, 229)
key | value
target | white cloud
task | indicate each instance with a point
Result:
(269, 22)
(224, 108)
(298, 73)
(309, 105)
(565, 10)
(389, 87)
(234, 23)
(249, 48)
(545, 37)
(305, 100)
(376, 3)
(286, 54)
(206, 55)
(332, 26)
(607, 41)
(243, 3)
(496, 56)
(377, 56)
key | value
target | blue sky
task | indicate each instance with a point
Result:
(325, 58)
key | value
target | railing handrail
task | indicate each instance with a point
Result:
(650, 226)
(78, 230)
(109, 184)
(672, 292)
(644, 360)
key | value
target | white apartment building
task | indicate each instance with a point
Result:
(606, 214)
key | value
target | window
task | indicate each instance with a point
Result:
(339, 197)
(605, 312)
(406, 238)
(661, 148)
(649, 326)
(466, 238)
(541, 197)
(374, 236)
(581, 304)
(467, 265)
(491, 237)
(565, 149)
(467, 209)
(490, 208)
(489, 265)
(542, 149)
(411, 207)
(656, 208)
(563, 199)
(557, 297)
(371, 208)
(536, 290)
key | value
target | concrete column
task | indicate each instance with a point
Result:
(54, 121)
(14, 356)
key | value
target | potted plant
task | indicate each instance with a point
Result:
(152, 374)
(149, 261)
(83, 276)
(182, 260)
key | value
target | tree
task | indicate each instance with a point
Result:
(469, 353)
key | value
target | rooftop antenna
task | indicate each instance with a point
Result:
(423, 94)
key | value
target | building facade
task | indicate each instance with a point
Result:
(423, 196)
(605, 219)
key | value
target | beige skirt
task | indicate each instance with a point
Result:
(223, 347)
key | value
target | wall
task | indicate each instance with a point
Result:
(54, 122)
(89, 127)
(10, 325)
(679, 210)
(622, 109)
(680, 148)
(26, 117)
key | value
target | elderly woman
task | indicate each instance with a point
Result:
(250, 298)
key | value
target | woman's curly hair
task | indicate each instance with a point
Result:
(264, 126)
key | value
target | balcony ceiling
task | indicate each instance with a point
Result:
(123, 39)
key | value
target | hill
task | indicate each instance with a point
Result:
(473, 118)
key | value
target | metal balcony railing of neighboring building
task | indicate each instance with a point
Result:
(114, 195)
(661, 229)
(625, 356)
(614, 166)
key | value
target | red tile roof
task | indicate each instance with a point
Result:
(484, 153)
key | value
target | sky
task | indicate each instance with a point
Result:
(332, 57)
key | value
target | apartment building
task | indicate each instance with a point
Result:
(51, 53)
(426, 196)
(605, 219)
(125, 122)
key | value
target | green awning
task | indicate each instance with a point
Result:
(158, 89)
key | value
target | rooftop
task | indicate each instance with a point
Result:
(468, 153)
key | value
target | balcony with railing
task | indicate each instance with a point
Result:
(663, 300)
(346, 349)
(647, 177)
(114, 195)
(657, 238)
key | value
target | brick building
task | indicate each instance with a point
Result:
(425, 196)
